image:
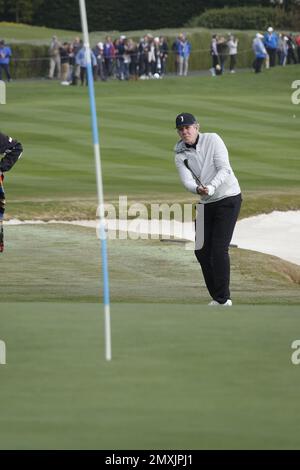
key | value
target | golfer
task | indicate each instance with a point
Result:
(204, 169)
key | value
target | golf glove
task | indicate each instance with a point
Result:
(211, 190)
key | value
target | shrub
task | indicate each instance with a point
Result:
(242, 18)
(29, 61)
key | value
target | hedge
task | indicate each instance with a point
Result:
(243, 18)
(29, 61)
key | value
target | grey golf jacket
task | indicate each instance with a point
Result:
(210, 163)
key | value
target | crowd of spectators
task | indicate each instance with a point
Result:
(221, 49)
(270, 49)
(122, 58)
(274, 49)
(125, 59)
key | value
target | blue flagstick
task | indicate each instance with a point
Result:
(99, 180)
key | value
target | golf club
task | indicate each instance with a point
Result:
(195, 176)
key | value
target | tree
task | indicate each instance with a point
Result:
(288, 5)
(19, 10)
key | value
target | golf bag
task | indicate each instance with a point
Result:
(2, 210)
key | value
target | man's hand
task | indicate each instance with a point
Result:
(208, 190)
(202, 190)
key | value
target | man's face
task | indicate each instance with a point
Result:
(188, 134)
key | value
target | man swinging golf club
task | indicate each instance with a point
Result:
(203, 165)
(12, 151)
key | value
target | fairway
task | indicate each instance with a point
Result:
(253, 114)
(182, 377)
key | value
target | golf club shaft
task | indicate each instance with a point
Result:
(195, 176)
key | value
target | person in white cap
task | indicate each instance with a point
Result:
(259, 51)
(100, 68)
(271, 45)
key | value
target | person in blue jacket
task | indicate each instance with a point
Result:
(5, 55)
(271, 45)
(80, 60)
(184, 50)
(259, 51)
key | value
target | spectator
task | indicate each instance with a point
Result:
(291, 49)
(259, 51)
(175, 49)
(109, 55)
(65, 62)
(143, 56)
(5, 55)
(232, 44)
(81, 61)
(282, 49)
(132, 51)
(215, 55)
(99, 54)
(297, 41)
(222, 51)
(119, 53)
(152, 56)
(163, 48)
(271, 44)
(54, 58)
(127, 59)
(184, 49)
(74, 68)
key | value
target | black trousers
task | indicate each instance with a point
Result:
(232, 62)
(257, 64)
(6, 70)
(272, 55)
(219, 221)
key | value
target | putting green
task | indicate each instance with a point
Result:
(181, 377)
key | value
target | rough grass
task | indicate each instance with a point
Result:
(254, 203)
(62, 263)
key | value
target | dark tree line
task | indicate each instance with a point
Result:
(121, 15)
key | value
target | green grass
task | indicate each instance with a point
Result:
(182, 377)
(253, 114)
(62, 263)
(19, 32)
